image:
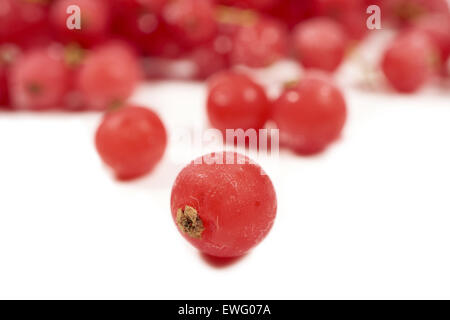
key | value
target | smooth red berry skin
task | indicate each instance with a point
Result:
(108, 76)
(39, 80)
(95, 21)
(131, 141)
(236, 203)
(260, 44)
(310, 116)
(324, 54)
(408, 61)
(236, 102)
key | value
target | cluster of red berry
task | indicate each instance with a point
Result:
(45, 65)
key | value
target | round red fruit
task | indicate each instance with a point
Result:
(408, 61)
(326, 53)
(39, 80)
(223, 204)
(311, 115)
(259, 44)
(108, 76)
(437, 28)
(236, 102)
(131, 141)
(192, 20)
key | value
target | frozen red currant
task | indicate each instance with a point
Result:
(326, 54)
(259, 44)
(94, 21)
(310, 115)
(108, 76)
(236, 102)
(408, 61)
(223, 204)
(39, 80)
(131, 140)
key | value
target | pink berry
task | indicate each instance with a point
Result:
(260, 44)
(108, 76)
(23, 22)
(408, 61)
(236, 102)
(94, 21)
(131, 141)
(192, 20)
(326, 54)
(226, 209)
(39, 80)
(311, 115)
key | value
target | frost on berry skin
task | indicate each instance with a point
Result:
(95, 21)
(326, 54)
(223, 209)
(408, 61)
(259, 44)
(39, 80)
(235, 101)
(192, 20)
(108, 76)
(310, 115)
(131, 140)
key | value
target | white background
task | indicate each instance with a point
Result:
(369, 218)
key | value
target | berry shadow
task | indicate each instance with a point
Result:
(220, 263)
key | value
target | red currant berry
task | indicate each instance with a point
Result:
(23, 22)
(192, 20)
(236, 102)
(311, 115)
(260, 44)
(408, 61)
(108, 76)
(326, 54)
(94, 21)
(437, 28)
(39, 80)
(223, 208)
(131, 140)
